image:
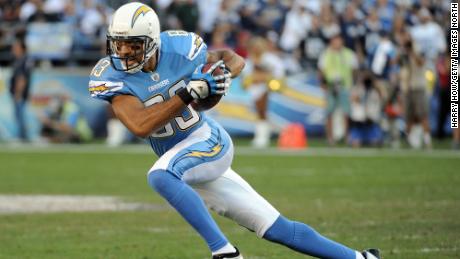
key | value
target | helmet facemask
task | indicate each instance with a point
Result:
(143, 48)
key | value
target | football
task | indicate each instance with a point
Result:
(210, 101)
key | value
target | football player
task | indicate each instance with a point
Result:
(150, 79)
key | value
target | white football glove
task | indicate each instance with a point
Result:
(203, 84)
(198, 89)
(223, 81)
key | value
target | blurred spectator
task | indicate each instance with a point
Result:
(382, 63)
(386, 11)
(242, 42)
(162, 4)
(228, 22)
(54, 9)
(29, 8)
(228, 13)
(262, 66)
(352, 29)
(339, 6)
(92, 19)
(313, 44)
(10, 10)
(70, 15)
(39, 14)
(89, 20)
(219, 37)
(269, 16)
(394, 108)
(373, 27)
(337, 66)
(313, 6)
(296, 26)
(20, 84)
(429, 37)
(443, 71)
(62, 121)
(183, 15)
(365, 113)
(247, 16)
(399, 30)
(328, 21)
(208, 14)
(416, 106)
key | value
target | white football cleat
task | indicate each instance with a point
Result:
(371, 253)
(234, 255)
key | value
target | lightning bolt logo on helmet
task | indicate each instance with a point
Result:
(141, 10)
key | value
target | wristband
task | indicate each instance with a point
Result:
(185, 96)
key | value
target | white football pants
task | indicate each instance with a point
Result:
(232, 197)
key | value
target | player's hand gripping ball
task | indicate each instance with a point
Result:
(223, 80)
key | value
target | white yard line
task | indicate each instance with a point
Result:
(25, 204)
(423, 250)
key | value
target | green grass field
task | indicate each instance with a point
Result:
(407, 203)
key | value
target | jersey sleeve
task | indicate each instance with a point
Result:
(198, 49)
(187, 44)
(105, 83)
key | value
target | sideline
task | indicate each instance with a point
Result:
(239, 150)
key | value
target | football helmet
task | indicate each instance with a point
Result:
(134, 26)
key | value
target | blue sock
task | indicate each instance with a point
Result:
(192, 208)
(302, 238)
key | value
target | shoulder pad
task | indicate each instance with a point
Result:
(105, 82)
(187, 44)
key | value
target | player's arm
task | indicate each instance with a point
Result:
(141, 120)
(234, 62)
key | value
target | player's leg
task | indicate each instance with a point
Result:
(190, 206)
(355, 136)
(232, 197)
(331, 107)
(165, 178)
(344, 104)
(304, 239)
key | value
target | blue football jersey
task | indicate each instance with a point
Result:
(179, 55)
